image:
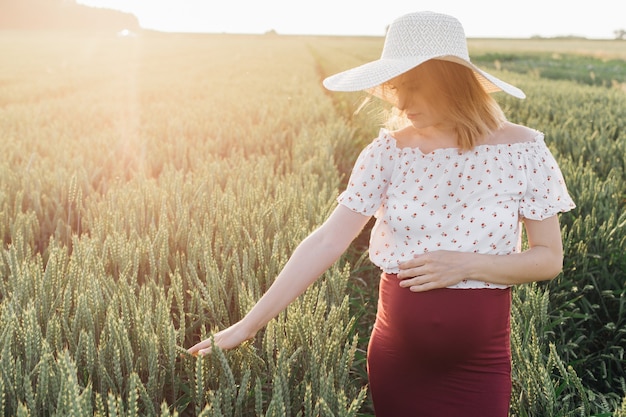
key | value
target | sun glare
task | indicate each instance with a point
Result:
(352, 17)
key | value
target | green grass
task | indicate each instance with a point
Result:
(581, 69)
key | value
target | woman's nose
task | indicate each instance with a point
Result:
(403, 98)
(400, 100)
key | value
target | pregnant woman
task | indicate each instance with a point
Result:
(451, 186)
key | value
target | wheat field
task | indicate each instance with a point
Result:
(151, 188)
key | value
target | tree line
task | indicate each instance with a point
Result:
(62, 15)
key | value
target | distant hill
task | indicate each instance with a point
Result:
(62, 15)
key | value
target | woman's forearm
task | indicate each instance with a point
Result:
(537, 264)
(311, 259)
(543, 261)
(439, 269)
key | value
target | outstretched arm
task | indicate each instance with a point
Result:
(542, 261)
(311, 258)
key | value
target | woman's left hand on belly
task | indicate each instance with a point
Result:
(431, 270)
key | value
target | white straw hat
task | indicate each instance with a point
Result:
(411, 40)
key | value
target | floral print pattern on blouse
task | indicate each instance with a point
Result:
(448, 199)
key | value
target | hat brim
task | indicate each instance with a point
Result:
(370, 76)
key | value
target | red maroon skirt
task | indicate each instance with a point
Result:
(440, 353)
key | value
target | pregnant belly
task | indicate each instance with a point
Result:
(443, 325)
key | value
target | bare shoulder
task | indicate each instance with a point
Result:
(511, 133)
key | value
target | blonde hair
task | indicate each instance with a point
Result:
(457, 93)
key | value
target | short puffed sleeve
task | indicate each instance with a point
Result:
(546, 192)
(370, 177)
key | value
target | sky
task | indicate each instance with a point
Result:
(480, 18)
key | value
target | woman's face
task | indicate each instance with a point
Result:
(418, 98)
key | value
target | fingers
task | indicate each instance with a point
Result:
(201, 348)
(226, 339)
(418, 276)
(412, 283)
(427, 286)
(413, 267)
(408, 273)
(203, 352)
(416, 261)
(182, 351)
